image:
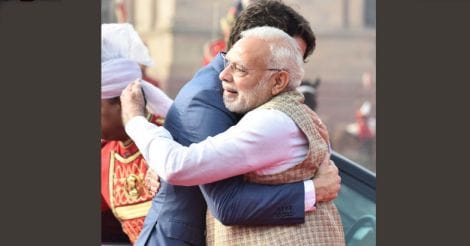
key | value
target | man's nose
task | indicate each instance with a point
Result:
(226, 74)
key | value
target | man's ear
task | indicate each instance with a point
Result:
(281, 80)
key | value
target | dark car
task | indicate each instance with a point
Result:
(356, 204)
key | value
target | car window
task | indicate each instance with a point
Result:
(358, 215)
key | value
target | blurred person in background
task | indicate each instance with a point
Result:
(310, 92)
(212, 48)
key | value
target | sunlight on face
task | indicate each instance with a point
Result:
(244, 92)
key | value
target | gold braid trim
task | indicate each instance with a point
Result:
(133, 211)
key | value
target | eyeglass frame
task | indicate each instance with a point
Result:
(243, 71)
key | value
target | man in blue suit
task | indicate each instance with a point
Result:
(177, 216)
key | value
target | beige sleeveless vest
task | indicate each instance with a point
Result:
(322, 226)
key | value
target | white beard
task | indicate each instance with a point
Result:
(246, 101)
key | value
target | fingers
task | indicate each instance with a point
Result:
(326, 160)
(327, 182)
(333, 166)
(132, 102)
(136, 86)
(334, 169)
(152, 181)
(132, 87)
(153, 187)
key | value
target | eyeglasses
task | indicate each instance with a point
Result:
(240, 70)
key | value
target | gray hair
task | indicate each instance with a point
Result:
(285, 52)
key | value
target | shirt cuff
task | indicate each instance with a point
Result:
(310, 198)
(141, 131)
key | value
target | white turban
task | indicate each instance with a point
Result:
(116, 75)
(120, 40)
(122, 51)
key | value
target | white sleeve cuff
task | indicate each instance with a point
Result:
(142, 131)
(310, 198)
(157, 101)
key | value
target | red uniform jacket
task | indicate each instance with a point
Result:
(123, 170)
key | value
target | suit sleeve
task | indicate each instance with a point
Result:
(233, 201)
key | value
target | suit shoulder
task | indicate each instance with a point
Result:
(206, 78)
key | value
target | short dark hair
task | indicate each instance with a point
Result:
(276, 14)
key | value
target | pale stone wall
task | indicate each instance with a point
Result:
(181, 27)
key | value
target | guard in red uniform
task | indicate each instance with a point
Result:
(124, 172)
(212, 48)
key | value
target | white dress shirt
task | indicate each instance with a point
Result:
(263, 141)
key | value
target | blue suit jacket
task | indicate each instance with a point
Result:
(198, 112)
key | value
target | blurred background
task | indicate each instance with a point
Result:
(341, 71)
